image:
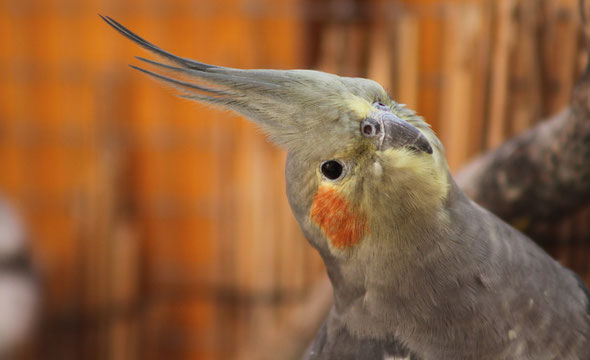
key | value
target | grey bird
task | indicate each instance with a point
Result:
(419, 271)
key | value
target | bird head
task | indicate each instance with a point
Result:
(359, 164)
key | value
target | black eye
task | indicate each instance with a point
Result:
(332, 169)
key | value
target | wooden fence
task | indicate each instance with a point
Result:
(160, 228)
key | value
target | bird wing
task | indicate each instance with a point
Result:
(339, 343)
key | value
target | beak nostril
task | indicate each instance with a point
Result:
(370, 127)
(368, 130)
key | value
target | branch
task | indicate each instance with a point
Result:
(540, 176)
(543, 175)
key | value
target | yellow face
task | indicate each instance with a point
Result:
(356, 158)
(374, 183)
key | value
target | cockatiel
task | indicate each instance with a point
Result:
(419, 271)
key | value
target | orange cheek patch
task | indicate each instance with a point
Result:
(343, 226)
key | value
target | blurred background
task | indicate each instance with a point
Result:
(159, 229)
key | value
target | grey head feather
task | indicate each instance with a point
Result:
(298, 109)
(153, 48)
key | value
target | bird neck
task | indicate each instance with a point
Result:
(395, 274)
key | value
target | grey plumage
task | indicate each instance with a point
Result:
(339, 344)
(500, 298)
(419, 271)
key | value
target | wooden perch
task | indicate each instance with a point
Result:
(542, 175)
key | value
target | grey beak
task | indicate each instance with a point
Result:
(399, 133)
(389, 131)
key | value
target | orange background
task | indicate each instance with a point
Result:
(159, 227)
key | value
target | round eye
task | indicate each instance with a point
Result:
(332, 169)
(370, 127)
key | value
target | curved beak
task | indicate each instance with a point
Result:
(399, 133)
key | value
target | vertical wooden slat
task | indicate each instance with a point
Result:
(524, 102)
(332, 48)
(480, 71)
(499, 77)
(462, 24)
(161, 226)
(429, 59)
(406, 45)
(380, 59)
(561, 31)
